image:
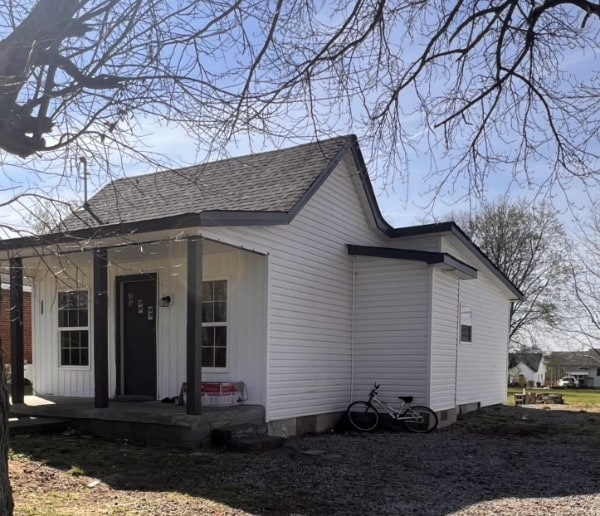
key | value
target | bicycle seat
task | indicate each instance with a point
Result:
(406, 399)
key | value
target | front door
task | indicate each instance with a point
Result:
(137, 332)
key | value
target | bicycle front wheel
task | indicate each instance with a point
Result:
(420, 419)
(363, 416)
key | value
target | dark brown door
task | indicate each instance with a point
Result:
(138, 335)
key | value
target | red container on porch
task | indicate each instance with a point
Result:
(218, 388)
(219, 394)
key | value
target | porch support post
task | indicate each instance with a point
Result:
(194, 325)
(17, 353)
(100, 295)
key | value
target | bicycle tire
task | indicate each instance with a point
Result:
(363, 416)
(427, 420)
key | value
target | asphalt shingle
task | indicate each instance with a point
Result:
(266, 182)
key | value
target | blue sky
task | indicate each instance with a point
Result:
(404, 196)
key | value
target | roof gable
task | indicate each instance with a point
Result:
(531, 360)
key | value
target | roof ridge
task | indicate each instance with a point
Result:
(231, 159)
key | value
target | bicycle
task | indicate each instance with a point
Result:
(363, 415)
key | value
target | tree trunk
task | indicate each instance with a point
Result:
(6, 500)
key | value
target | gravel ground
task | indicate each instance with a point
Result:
(449, 471)
(505, 461)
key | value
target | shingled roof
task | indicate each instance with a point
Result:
(531, 360)
(589, 358)
(274, 182)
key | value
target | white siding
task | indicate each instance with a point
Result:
(310, 297)
(482, 363)
(247, 329)
(431, 243)
(306, 344)
(50, 377)
(246, 275)
(444, 340)
(391, 331)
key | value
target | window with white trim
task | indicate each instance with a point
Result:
(73, 328)
(214, 323)
(466, 324)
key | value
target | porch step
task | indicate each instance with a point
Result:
(31, 424)
(245, 437)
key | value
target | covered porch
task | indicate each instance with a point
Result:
(151, 422)
(90, 285)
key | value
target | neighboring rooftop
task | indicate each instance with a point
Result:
(590, 358)
(531, 360)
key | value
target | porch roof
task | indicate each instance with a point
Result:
(442, 260)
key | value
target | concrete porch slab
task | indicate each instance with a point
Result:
(147, 421)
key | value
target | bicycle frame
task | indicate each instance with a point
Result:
(398, 414)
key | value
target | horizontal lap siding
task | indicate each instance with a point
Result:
(444, 340)
(391, 328)
(429, 243)
(482, 363)
(311, 303)
(310, 298)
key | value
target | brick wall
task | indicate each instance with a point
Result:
(5, 326)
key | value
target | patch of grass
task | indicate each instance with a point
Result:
(75, 471)
(564, 426)
(584, 398)
(140, 480)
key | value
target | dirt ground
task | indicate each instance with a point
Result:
(502, 460)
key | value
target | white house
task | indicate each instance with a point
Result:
(275, 269)
(530, 367)
(582, 365)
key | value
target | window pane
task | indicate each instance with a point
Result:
(220, 311)
(74, 348)
(220, 357)
(465, 333)
(208, 337)
(208, 312)
(220, 336)
(72, 309)
(207, 357)
(82, 299)
(220, 290)
(207, 291)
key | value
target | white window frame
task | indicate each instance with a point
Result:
(225, 369)
(62, 329)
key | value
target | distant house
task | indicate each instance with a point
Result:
(583, 365)
(276, 270)
(5, 317)
(527, 367)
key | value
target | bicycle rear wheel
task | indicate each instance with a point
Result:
(363, 416)
(423, 419)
